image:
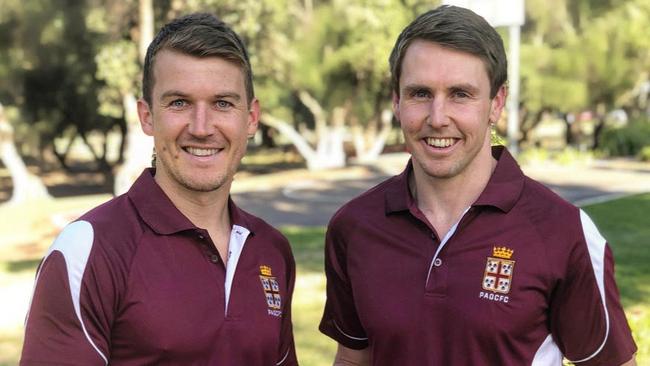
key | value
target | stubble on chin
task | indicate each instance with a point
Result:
(204, 185)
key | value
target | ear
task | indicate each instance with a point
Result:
(498, 103)
(395, 99)
(146, 117)
(253, 117)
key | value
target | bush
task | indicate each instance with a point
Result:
(566, 156)
(644, 154)
(625, 141)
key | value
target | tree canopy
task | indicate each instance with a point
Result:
(71, 68)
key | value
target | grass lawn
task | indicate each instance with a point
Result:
(623, 222)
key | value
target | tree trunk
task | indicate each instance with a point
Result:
(138, 145)
(26, 186)
(146, 27)
(329, 153)
(600, 126)
(138, 148)
(369, 147)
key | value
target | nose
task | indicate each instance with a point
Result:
(201, 123)
(438, 113)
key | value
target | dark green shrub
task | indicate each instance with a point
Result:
(625, 141)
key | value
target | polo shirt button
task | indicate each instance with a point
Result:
(201, 237)
(214, 258)
(437, 262)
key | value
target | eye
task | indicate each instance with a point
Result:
(460, 94)
(420, 93)
(223, 104)
(178, 103)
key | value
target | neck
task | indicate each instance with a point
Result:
(207, 210)
(443, 200)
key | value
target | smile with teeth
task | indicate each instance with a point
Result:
(439, 142)
(201, 151)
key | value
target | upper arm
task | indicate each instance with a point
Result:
(70, 313)
(351, 357)
(586, 302)
(287, 352)
(340, 319)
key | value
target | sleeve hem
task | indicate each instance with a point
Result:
(334, 333)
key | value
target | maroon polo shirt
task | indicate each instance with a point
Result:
(524, 278)
(134, 282)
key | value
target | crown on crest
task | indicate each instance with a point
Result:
(265, 271)
(502, 252)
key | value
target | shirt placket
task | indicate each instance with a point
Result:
(437, 276)
(212, 256)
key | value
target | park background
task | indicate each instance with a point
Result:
(69, 137)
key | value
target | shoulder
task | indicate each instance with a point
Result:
(370, 205)
(111, 231)
(565, 230)
(545, 207)
(97, 249)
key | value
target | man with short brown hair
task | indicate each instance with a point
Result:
(462, 259)
(173, 272)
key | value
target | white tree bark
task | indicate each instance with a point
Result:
(26, 186)
(369, 145)
(316, 110)
(139, 146)
(146, 27)
(329, 152)
(325, 157)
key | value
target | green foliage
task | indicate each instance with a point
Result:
(69, 63)
(571, 156)
(644, 154)
(626, 141)
(533, 155)
(583, 54)
(48, 69)
(566, 156)
(118, 67)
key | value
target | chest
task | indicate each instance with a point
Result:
(486, 280)
(174, 307)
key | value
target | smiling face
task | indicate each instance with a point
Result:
(444, 108)
(200, 120)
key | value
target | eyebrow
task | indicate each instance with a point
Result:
(462, 86)
(465, 86)
(172, 93)
(177, 93)
(231, 95)
(408, 89)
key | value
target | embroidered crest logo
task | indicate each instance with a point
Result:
(498, 270)
(271, 291)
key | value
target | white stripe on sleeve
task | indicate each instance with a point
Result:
(596, 245)
(75, 243)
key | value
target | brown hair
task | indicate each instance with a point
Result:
(199, 35)
(456, 28)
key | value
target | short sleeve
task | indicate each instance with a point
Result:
(71, 310)
(287, 352)
(587, 320)
(340, 319)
